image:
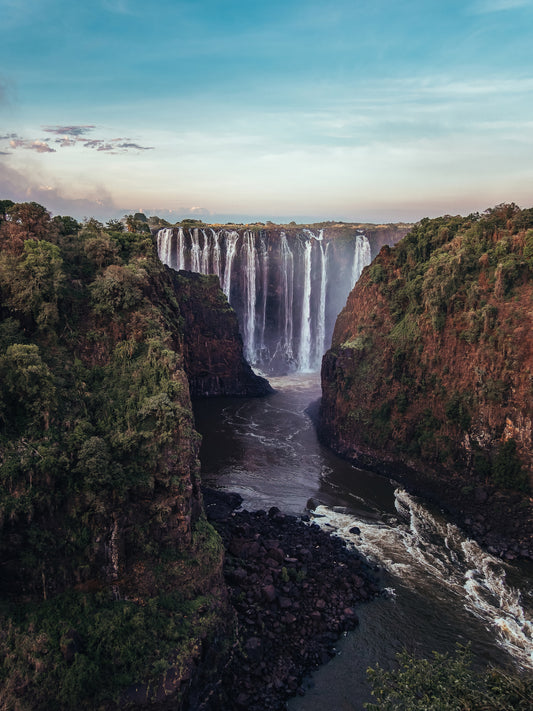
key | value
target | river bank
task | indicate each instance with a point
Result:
(294, 588)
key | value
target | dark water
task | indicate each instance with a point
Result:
(442, 589)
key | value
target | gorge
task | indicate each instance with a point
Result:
(112, 585)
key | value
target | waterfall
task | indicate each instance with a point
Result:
(164, 245)
(304, 352)
(321, 323)
(264, 289)
(216, 253)
(362, 256)
(286, 286)
(195, 251)
(205, 255)
(250, 295)
(231, 248)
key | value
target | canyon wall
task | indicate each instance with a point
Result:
(429, 372)
(286, 284)
(111, 578)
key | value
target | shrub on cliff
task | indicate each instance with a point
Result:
(447, 683)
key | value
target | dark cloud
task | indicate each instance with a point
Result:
(69, 130)
(66, 142)
(92, 143)
(135, 146)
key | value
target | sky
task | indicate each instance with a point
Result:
(247, 110)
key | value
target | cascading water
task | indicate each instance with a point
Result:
(286, 286)
(231, 246)
(250, 294)
(321, 325)
(264, 287)
(304, 352)
(362, 256)
(195, 251)
(216, 253)
(205, 255)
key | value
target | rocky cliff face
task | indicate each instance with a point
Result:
(429, 370)
(111, 584)
(212, 345)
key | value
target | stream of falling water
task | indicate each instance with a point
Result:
(442, 589)
(286, 288)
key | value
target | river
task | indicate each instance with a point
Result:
(441, 588)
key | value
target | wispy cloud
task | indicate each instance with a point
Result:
(71, 136)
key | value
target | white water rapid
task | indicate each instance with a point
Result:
(425, 550)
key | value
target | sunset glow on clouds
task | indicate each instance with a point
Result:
(289, 109)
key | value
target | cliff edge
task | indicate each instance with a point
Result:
(111, 586)
(429, 375)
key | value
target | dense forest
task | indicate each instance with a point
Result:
(110, 572)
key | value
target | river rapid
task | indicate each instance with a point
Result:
(440, 587)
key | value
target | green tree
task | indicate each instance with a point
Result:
(66, 225)
(115, 226)
(31, 284)
(4, 207)
(26, 386)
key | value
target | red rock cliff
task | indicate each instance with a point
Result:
(431, 361)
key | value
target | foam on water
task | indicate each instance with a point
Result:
(423, 547)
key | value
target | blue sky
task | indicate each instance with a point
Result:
(369, 110)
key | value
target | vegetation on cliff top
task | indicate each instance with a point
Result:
(108, 566)
(433, 349)
(447, 683)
